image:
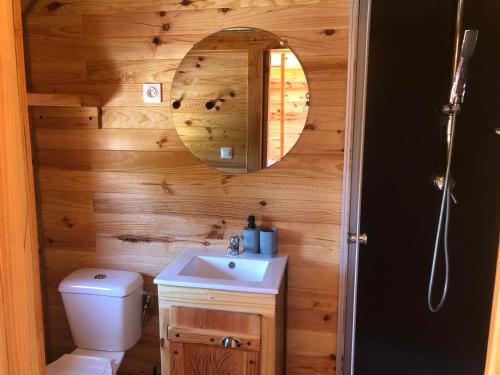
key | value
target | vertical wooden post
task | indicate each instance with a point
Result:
(282, 106)
(21, 327)
(493, 358)
(254, 123)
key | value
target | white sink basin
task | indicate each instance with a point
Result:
(224, 268)
(213, 269)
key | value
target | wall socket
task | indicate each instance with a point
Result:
(226, 152)
(151, 92)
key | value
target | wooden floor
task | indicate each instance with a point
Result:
(123, 192)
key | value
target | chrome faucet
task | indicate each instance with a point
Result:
(234, 246)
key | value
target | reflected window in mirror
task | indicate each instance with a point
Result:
(287, 104)
(239, 100)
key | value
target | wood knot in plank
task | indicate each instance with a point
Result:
(54, 6)
(161, 141)
(166, 187)
(327, 317)
(67, 222)
(333, 357)
(224, 10)
(162, 13)
(329, 32)
(263, 203)
(157, 41)
(185, 2)
(309, 126)
(225, 180)
(166, 27)
(162, 342)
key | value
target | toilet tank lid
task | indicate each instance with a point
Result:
(102, 282)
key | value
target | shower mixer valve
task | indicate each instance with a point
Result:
(439, 184)
(450, 109)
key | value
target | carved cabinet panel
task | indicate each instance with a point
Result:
(213, 342)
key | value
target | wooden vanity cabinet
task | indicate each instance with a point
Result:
(196, 338)
(195, 321)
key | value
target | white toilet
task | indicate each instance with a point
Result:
(104, 310)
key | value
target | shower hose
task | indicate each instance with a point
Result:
(444, 218)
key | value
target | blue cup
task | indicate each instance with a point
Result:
(268, 242)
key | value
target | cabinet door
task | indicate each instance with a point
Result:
(212, 342)
(200, 359)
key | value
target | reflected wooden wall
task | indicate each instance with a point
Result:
(123, 192)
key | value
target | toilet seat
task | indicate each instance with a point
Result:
(76, 364)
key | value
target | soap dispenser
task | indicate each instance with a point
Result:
(251, 237)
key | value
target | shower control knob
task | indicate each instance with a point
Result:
(362, 238)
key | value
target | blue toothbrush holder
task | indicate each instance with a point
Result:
(268, 242)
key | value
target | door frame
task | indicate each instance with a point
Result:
(21, 323)
(353, 168)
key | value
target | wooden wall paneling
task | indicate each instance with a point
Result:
(182, 163)
(117, 6)
(264, 187)
(63, 117)
(129, 195)
(282, 210)
(21, 326)
(210, 21)
(63, 100)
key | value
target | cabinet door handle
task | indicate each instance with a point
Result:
(231, 342)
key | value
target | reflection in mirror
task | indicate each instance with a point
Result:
(239, 100)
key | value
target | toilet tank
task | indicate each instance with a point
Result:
(103, 308)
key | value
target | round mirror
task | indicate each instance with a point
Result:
(239, 100)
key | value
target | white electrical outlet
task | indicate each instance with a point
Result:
(151, 92)
(226, 152)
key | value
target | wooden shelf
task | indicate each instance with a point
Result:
(63, 100)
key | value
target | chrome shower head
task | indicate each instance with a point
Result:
(469, 44)
(459, 81)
